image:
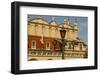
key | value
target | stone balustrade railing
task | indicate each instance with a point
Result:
(46, 53)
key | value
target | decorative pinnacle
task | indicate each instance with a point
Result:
(65, 20)
(68, 20)
(53, 18)
(39, 17)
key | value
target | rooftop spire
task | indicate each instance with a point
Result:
(53, 18)
(53, 21)
(76, 22)
(39, 16)
(65, 20)
(68, 21)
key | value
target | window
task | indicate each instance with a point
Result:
(47, 46)
(70, 46)
(33, 44)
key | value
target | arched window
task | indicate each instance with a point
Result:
(48, 46)
(33, 44)
(70, 45)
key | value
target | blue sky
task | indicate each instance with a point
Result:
(82, 23)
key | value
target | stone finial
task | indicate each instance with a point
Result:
(39, 16)
(53, 18)
(65, 20)
(68, 21)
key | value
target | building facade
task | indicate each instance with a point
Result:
(44, 40)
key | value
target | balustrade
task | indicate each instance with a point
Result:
(46, 53)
